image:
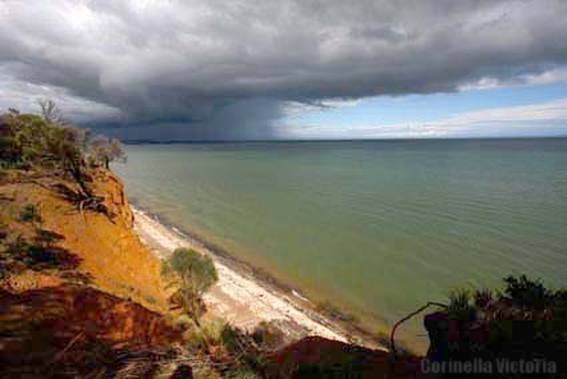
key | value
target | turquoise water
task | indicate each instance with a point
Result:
(377, 228)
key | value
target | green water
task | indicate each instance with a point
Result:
(378, 228)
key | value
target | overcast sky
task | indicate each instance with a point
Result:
(168, 70)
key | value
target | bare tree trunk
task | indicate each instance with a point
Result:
(77, 175)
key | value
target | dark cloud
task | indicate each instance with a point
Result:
(216, 69)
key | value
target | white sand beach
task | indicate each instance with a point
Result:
(238, 297)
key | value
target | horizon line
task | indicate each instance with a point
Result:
(323, 140)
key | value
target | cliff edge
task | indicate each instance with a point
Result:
(78, 290)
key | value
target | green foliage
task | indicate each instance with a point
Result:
(482, 297)
(30, 213)
(183, 322)
(527, 320)
(193, 273)
(527, 293)
(460, 307)
(31, 141)
(195, 269)
(210, 333)
(230, 348)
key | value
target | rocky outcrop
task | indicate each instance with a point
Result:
(115, 199)
(317, 357)
(47, 331)
(495, 340)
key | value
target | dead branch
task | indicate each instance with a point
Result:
(395, 327)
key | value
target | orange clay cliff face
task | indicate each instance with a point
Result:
(78, 290)
(105, 251)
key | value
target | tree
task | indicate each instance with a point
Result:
(66, 145)
(104, 150)
(194, 273)
(24, 137)
(50, 112)
(33, 140)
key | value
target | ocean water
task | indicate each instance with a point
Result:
(377, 228)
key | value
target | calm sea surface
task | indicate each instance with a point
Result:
(377, 228)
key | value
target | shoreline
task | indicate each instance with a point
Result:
(246, 295)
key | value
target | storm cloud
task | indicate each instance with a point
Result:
(231, 69)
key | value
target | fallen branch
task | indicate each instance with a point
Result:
(84, 201)
(395, 327)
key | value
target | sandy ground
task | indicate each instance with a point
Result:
(238, 297)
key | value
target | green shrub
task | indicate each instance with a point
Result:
(460, 307)
(527, 293)
(525, 321)
(482, 297)
(209, 333)
(32, 141)
(197, 269)
(193, 273)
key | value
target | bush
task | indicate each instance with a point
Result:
(47, 141)
(194, 273)
(482, 297)
(207, 335)
(525, 321)
(196, 267)
(527, 293)
(460, 307)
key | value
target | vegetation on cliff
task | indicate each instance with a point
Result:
(524, 322)
(48, 141)
(29, 141)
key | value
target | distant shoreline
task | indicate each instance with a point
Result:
(246, 295)
(276, 141)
